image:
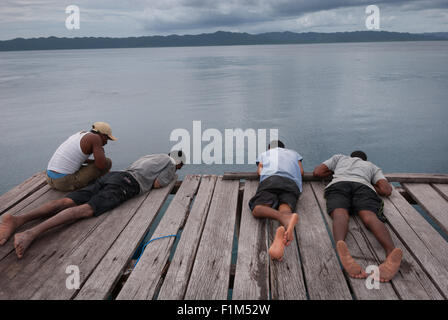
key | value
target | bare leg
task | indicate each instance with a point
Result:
(378, 229)
(24, 239)
(390, 267)
(10, 223)
(284, 215)
(340, 224)
(340, 228)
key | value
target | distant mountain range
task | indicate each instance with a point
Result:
(219, 38)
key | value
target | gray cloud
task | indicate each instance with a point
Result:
(27, 18)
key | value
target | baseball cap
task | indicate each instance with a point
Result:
(104, 128)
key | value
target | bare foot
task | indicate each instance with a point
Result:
(353, 269)
(7, 227)
(277, 248)
(22, 241)
(390, 267)
(289, 234)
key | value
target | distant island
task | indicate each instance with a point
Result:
(219, 38)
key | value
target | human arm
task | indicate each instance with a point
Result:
(156, 184)
(322, 171)
(383, 188)
(380, 183)
(165, 177)
(301, 167)
(93, 144)
(259, 168)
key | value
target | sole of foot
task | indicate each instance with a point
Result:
(353, 269)
(277, 248)
(7, 227)
(21, 242)
(389, 268)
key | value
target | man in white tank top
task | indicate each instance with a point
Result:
(70, 168)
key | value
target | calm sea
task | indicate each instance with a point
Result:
(388, 99)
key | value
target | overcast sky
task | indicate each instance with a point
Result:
(122, 18)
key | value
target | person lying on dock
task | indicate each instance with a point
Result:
(280, 172)
(108, 192)
(354, 189)
(70, 168)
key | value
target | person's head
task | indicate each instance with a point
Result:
(276, 144)
(359, 154)
(179, 158)
(104, 130)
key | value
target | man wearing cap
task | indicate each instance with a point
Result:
(70, 168)
(108, 192)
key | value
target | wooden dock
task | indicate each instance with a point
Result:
(212, 221)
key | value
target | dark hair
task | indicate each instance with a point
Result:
(276, 143)
(359, 154)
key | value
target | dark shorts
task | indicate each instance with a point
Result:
(107, 192)
(354, 197)
(274, 191)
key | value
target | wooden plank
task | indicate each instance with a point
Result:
(392, 177)
(176, 280)
(211, 271)
(410, 282)
(432, 239)
(287, 282)
(103, 279)
(22, 191)
(442, 189)
(307, 176)
(252, 268)
(417, 177)
(41, 273)
(361, 252)
(431, 201)
(87, 253)
(425, 244)
(145, 278)
(23, 278)
(427, 259)
(323, 274)
(34, 201)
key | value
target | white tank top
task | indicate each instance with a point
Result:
(69, 157)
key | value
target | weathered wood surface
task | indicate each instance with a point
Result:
(323, 275)
(211, 271)
(426, 246)
(22, 191)
(176, 279)
(411, 282)
(287, 282)
(30, 203)
(101, 282)
(442, 189)
(145, 278)
(200, 266)
(252, 268)
(361, 251)
(391, 177)
(430, 200)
